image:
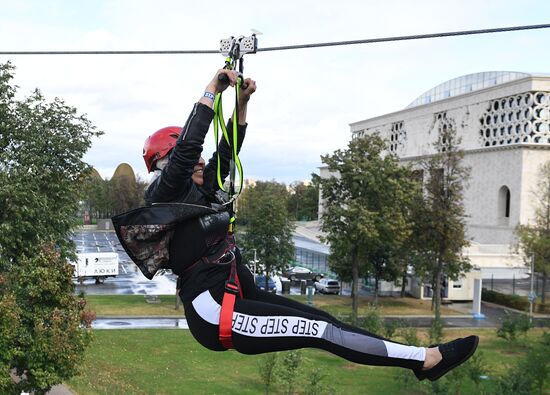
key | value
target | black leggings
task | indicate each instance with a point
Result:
(264, 322)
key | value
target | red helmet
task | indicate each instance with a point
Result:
(159, 144)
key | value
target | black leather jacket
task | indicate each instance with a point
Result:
(177, 207)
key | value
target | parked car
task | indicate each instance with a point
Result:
(328, 286)
(260, 283)
(298, 273)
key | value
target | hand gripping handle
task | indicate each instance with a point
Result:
(225, 79)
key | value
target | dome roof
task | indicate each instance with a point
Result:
(124, 170)
(466, 83)
(95, 174)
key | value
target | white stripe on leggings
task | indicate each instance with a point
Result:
(207, 308)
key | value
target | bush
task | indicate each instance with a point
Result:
(475, 368)
(542, 308)
(537, 366)
(391, 326)
(372, 321)
(266, 368)
(314, 385)
(514, 301)
(410, 336)
(530, 374)
(514, 324)
(288, 369)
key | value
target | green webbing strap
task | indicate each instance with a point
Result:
(235, 134)
(219, 121)
(218, 118)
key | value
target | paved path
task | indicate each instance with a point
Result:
(60, 389)
(493, 314)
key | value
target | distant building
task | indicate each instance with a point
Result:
(124, 170)
(503, 120)
(309, 251)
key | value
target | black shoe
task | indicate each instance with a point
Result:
(454, 353)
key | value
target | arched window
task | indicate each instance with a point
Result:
(504, 202)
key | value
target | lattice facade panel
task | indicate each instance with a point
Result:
(398, 137)
(517, 119)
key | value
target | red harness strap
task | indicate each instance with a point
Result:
(232, 289)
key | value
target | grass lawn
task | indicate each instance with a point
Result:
(172, 362)
(341, 305)
(105, 305)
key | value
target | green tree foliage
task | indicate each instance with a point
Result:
(41, 148)
(439, 216)
(366, 217)
(263, 208)
(125, 191)
(534, 238)
(96, 196)
(123, 194)
(303, 202)
(105, 198)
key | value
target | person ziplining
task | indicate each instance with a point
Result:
(187, 227)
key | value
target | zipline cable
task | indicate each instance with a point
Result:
(405, 38)
(289, 47)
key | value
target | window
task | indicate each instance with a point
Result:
(398, 135)
(418, 175)
(525, 117)
(504, 202)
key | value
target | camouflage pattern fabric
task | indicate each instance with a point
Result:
(149, 245)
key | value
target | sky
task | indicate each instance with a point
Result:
(305, 98)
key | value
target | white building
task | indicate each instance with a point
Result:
(503, 120)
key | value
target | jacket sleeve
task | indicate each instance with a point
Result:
(175, 179)
(210, 174)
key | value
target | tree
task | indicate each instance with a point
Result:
(303, 202)
(263, 208)
(125, 191)
(440, 226)
(95, 196)
(534, 239)
(366, 212)
(41, 148)
(105, 198)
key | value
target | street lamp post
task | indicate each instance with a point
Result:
(532, 295)
(255, 262)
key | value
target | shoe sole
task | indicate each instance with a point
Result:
(472, 351)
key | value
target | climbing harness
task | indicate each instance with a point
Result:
(233, 49)
(231, 291)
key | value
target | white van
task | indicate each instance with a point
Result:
(98, 265)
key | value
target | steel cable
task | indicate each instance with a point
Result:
(289, 47)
